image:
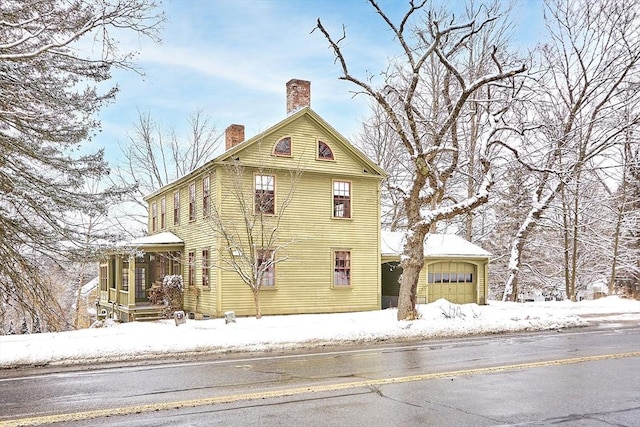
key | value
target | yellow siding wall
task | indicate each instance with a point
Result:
(304, 280)
(197, 237)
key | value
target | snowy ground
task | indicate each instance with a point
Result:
(138, 340)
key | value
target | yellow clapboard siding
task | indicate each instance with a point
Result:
(304, 280)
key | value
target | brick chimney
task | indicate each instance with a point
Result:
(298, 95)
(233, 136)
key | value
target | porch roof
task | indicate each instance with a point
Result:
(165, 240)
(435, 245)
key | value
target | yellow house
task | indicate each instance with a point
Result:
(454, 269)
(298, 197)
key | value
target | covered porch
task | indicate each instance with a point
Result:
(127, 274)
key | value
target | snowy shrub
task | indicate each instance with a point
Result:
(168, 294)
(453, 311)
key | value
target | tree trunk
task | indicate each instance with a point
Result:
(412, 263)
(78, 296)
(566, 244)
(256, 301)
(527, 226)
(617, 229)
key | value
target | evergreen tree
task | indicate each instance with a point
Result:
(24, 328)
(49, 97)
(36, 325)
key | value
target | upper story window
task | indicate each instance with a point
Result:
(283, 147)
(192, 201)
(324, 151)
(341, 199)
(265, 194)
(154, 216)
(205, 196)
(163, 213)
(176, 207)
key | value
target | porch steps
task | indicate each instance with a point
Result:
(147, 314)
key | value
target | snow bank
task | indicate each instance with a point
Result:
(144, 340)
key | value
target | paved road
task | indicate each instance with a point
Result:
(582, 376)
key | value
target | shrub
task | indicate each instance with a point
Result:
(168, 294)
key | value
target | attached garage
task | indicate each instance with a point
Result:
(454, 269)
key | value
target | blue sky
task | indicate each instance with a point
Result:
(233, 58)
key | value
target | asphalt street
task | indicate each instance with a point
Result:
(588, 376)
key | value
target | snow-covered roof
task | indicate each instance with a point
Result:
(89, 286)
(448, 245)
(164, 238)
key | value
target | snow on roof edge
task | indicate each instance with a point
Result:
(392, 243)
(164, 238)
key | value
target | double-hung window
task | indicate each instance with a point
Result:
(176, 207)
(192, 269)
(266, 267)
(265, 194)
(154, 216)
(163, 213)
(192, 201)
(205, 268)
(341, 199)
(342, 268)
(205, 196)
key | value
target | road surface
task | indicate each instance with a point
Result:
(581, 376)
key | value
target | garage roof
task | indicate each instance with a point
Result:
(436, 245)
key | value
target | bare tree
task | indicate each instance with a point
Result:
(378, 141)
(426, 94)
(83, 255)
(249, 231)
(153, 157)
(48, 99)
(625, 211)
(591, 56)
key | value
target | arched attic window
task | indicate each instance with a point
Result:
(283, 147)
(324, 151)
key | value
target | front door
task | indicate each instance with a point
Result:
(141, 283)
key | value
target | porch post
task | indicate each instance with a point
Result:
(118, 274)
(132, 281)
